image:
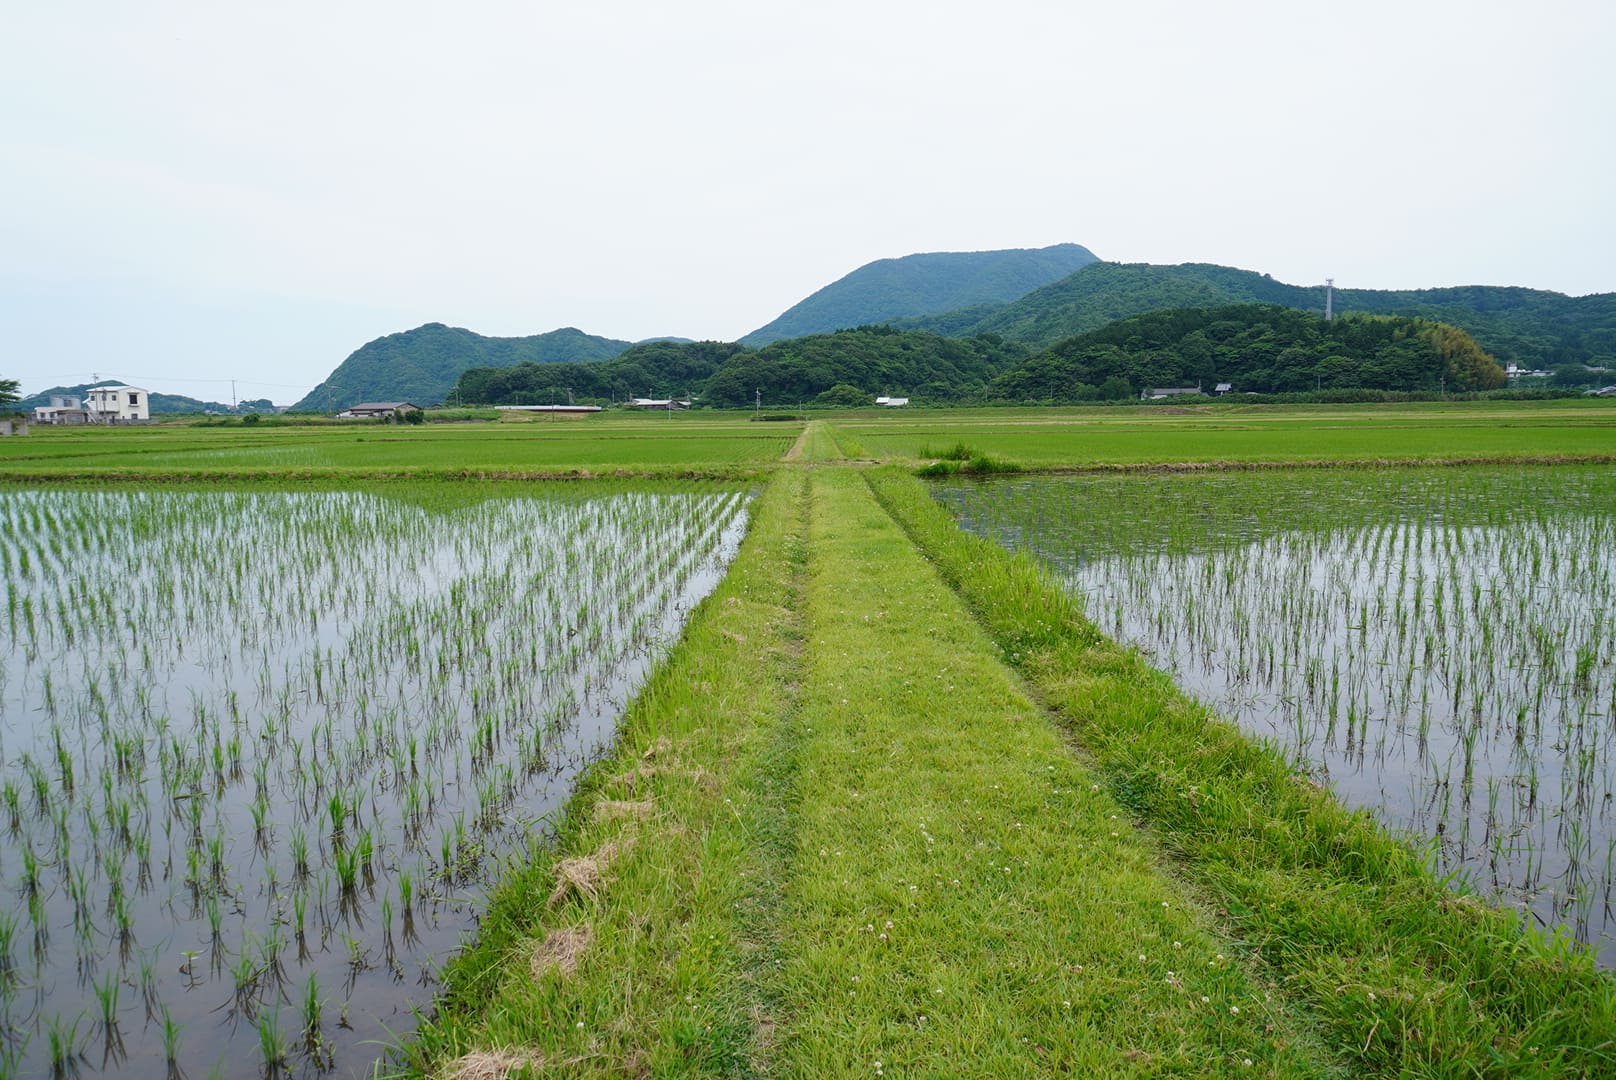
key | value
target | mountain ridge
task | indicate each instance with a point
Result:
(1533, 327)
(421, 365)
(921, 284)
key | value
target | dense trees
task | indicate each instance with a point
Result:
(1262, 349)
(873, 359)
(1259, 349)
(857, 364)
(1531, 327)
(8, 392)
(654, 369)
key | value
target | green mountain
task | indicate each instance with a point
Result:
(159, 403)
(421, 365)
(925, 284)
(1531, 327)
(1263, 349)
(875, 360)
(651, 369)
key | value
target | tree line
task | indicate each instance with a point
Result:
(1261, 349)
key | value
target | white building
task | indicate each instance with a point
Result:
(117, 404)
(63, 409)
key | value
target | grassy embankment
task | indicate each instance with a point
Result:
(899, 863)
(1410, 977)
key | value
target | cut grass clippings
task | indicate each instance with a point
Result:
(1410, 977)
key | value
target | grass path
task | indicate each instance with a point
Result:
(965, 899)
(839, 837)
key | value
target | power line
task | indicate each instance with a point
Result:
(99, 376)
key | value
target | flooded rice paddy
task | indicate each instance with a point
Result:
(262, 754)
(1438, 645)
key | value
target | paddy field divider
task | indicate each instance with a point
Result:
(1409, 975)
(893, 806)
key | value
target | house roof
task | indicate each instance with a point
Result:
(382, 406)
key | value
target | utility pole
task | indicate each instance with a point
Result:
(233, 406)
(757, 408)
(1329, 299)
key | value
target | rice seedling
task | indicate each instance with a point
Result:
(342, 676)
(1463, 618)
(312, 1005)
(63, 1041)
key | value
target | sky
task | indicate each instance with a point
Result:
(208, 198)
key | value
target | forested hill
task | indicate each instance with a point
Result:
(658, 369)
(1531, 327)
(847, 367)
(923, 284)
(1263, 349)
(872, 360)
(421, 365)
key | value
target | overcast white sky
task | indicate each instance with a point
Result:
(195, 192)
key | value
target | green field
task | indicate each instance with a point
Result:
(637, 444)
(714, 442)
(1173, 434)
(892, 805)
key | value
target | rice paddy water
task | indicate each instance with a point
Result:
(1438, 645)
(262, 753)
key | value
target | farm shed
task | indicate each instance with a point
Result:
(378, 408)
(549, 408)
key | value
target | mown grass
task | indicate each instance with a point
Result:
(965, 899)
(1410, 977)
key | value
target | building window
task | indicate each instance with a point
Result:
(134, 399)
